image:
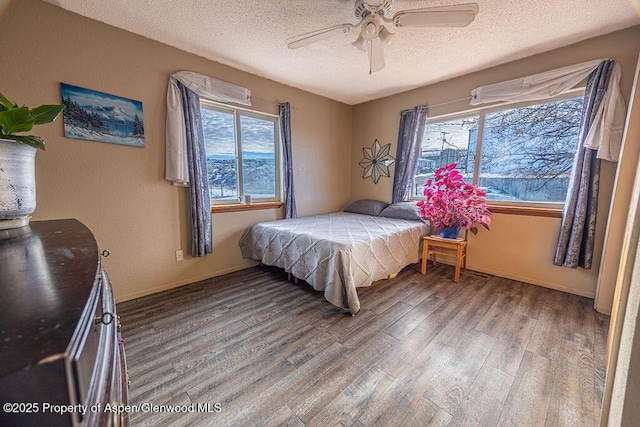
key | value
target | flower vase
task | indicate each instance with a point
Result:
(449, 232)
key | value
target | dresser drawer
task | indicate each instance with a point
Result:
(109, 374)
(84, 352)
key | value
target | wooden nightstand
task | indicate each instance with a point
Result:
(436, 245)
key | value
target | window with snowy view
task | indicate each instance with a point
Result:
(518, 155)
(242, 154)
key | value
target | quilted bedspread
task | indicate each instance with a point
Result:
(337, 252)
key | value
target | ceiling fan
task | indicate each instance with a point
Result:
(374, 36)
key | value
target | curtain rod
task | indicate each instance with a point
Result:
(466, 98)
(233, 105)
(496, 104)
(268, 101)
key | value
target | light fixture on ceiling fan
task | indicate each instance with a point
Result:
(374, 36)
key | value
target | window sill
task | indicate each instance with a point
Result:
(519, 210)
(236, 207)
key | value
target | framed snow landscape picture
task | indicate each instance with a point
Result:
(98, 116)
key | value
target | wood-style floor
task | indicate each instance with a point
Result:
(423, 351)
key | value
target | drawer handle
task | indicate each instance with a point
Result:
(106, 253)
(105, 319)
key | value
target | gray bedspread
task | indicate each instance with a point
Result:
(337, 252)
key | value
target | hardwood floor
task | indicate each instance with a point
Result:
(423, 351)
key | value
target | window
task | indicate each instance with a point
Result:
(443, 143)
(243, 156)
(519, 155)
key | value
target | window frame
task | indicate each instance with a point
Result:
(517, 207)
(237, 112)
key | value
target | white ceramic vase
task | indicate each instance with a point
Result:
(17, 183)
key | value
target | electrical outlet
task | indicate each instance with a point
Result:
(179, 256)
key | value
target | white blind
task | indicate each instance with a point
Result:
(176, 143)
(605, 134)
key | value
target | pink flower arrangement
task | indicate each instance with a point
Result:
(451, 202)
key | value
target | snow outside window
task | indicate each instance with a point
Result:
(520, 155)
(243, 156)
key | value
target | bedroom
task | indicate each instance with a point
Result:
(121, 195)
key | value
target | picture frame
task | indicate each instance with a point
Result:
(102, 117)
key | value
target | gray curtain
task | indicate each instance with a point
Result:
(412, 123)
(200, 199)
(287, 160)
(578, 229)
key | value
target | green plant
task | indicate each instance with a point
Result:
(14, 119)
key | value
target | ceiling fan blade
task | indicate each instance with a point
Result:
(316, 36)
(376, 55)
(459, 15)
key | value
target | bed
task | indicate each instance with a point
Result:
(337, 252)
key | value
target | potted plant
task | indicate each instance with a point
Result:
(17, 159)
(451, 203)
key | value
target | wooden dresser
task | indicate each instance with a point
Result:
(61, 355)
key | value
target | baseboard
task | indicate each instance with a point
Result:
(184, 282)
(536, 282)
(233, 269)
(525, 279)
(605, 310)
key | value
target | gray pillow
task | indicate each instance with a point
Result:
(366, 207)
(408, 211)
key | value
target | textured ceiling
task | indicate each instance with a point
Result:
(250, 35)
